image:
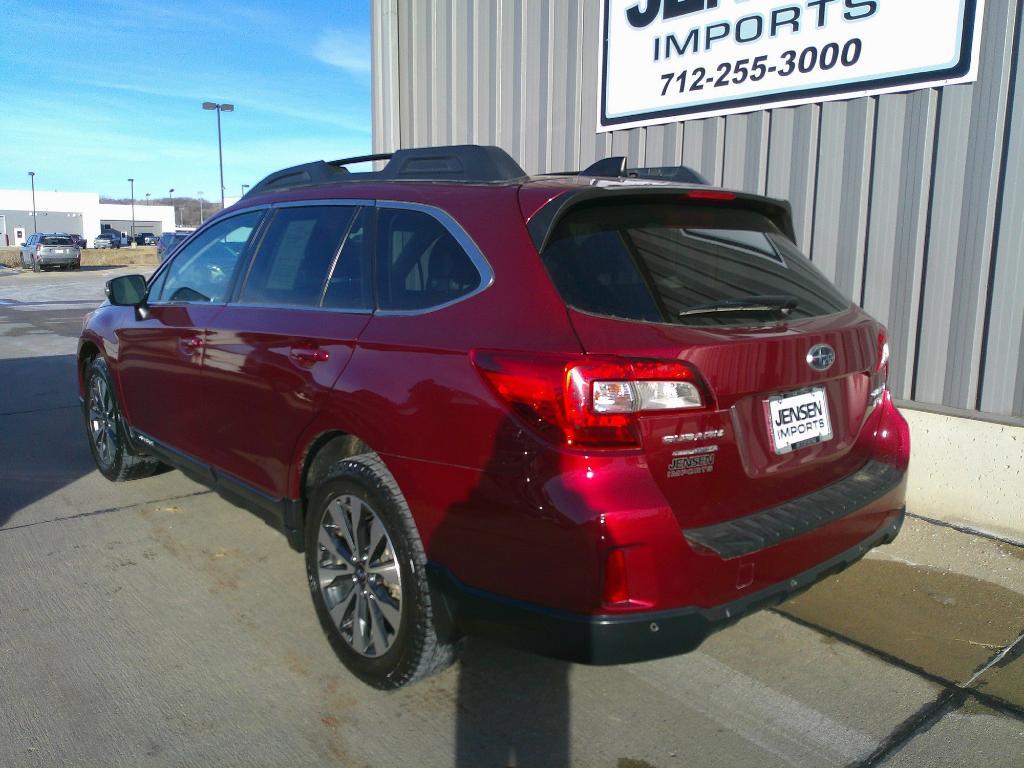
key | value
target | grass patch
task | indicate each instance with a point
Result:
(141, 256)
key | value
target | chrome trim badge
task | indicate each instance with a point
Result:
(821, 357)
(693, 437)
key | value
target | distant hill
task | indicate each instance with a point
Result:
(186, 209)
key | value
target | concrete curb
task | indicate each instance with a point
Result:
(967, 473)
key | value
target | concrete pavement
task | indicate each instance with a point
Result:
(155, 624)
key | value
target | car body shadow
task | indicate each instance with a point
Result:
(42, 441)
(513, 708)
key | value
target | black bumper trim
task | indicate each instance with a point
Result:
(749, 534)
(619, 639)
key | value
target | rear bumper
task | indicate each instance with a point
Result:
(623, 638)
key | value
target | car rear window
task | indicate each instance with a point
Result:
(57, 241)
(670, 262)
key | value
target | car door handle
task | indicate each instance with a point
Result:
(191, 344)
(308, 356)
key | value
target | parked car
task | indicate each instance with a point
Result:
(44, 250)
(145, 238)
(166, 243)
(108, 238)
(597, 420)
(76, 238)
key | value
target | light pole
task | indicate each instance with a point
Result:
(147, 198)
(244, 187)
(32, 176)
(200, 193)
(132, 182)
(174, 214)
(220, 150)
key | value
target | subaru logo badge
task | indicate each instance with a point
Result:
(820, 357)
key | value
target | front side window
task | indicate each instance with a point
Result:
(419, 263)
(202, 270)
(296, 254)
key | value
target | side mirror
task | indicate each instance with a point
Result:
(126, 291)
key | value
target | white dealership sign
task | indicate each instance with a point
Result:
(667, 60)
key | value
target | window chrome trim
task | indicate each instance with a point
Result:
(303, 308)
(318, 202)
(476, 256)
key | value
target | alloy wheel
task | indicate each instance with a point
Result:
(358, 576)
(102, 420)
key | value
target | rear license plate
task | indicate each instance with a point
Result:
(59, 251)
(797, 419)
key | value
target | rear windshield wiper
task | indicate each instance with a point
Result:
(781, 304)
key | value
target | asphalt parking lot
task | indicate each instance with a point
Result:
(153, 623)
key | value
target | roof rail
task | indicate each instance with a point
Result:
(462, 162)
(615, 168)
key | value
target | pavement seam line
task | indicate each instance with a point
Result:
(922, 721)
(888, 658)
(1006, 707)
(950, 700)
(103, 511)
(967, 530)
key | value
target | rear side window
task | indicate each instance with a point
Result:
(203, 269)
(350, 285)
(678, 263)
(419, 263)
(296, 254)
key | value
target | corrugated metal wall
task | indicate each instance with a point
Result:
(912, 203)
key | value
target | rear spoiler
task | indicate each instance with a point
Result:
(543, 223)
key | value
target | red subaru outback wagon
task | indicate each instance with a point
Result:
(598, 415)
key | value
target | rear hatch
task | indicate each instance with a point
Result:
(57, 247)
(786, 360)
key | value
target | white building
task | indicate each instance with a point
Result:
(79, 213)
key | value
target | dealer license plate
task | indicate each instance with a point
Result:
(798, 419)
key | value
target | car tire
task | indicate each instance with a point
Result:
(377, 611)
(106, 430)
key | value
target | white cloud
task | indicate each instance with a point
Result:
(344, 50)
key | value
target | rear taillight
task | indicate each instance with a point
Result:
(590, 401)
(880, 375)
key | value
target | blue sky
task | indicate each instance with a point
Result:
(95, 92)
